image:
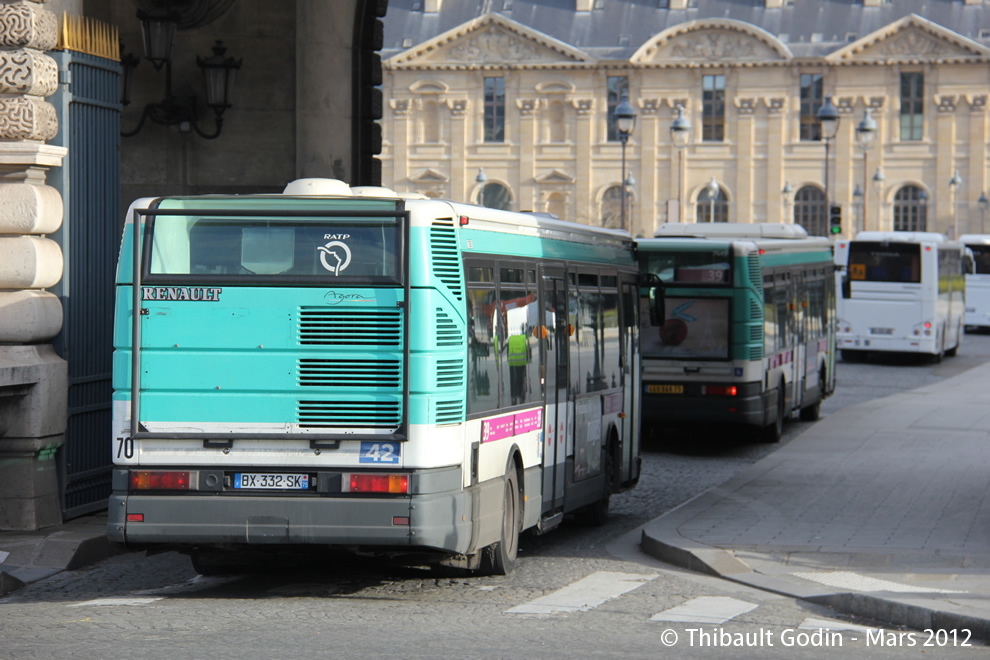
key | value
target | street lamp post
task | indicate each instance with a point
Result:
(625, 120)
(828, 118)
(866, 133)
(712, 189)
(878, 181)
(984, 204)
(954, 184)
(481, 180)
(629, 182)
(680, 135)
(859, 204)
(786, 192)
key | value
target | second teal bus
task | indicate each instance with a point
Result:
(737, 324)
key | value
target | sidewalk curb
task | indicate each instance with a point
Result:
(674, 549)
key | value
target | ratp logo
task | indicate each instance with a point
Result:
(337, 251)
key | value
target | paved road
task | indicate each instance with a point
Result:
(578, 592)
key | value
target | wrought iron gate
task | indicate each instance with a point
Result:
(88, 108)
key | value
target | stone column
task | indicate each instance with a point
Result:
(586, 211)
(527, 155)
(642, 219)
(458, 149)
(746, 138)
(401, 143)
(33, 379)
(945, 166)
(977, 175)
(776, 172)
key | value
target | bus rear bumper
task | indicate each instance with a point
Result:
(888, 344)
(440, 521)
(704, 409)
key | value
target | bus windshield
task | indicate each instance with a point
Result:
(871, 261)
(314, 250)
(709, 267)
(981, 256)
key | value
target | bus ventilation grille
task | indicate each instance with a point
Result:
(755, 352)
(755, 271)
(755, 311)
(443, 253)
(449, 412)
(755, 333)
(348, 414)
(450, 373)
(447, 332)
(332, 327)
(349, 373)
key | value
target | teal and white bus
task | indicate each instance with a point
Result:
(737, 324)
(348, 368)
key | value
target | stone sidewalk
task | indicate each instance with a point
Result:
(881, 510)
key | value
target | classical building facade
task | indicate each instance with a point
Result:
(514, 106)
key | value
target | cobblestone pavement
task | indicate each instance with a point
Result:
(157, 607)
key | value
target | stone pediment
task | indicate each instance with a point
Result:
(555, 176)
(715, 40)
(487, 40)
(911, 39)
(429, 176)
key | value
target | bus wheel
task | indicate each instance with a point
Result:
(773, 433)
(813, 412)
(500, 557)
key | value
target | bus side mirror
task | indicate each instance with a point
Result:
(846, 287)
(657, 311)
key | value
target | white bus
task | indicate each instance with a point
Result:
(978, 282)
(900, 292)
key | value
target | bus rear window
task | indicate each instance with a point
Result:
(705, 267)
(981, 257)
(694, 328)
(885, 262)
(231, 249)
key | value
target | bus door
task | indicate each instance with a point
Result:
(629, 327)
(553, 354)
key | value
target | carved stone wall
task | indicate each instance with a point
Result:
(33, 380)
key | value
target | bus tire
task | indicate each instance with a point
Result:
(773, 432)
(500, 557)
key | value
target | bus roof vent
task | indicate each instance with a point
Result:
(323, 187)
(731, 230)
(372, 191)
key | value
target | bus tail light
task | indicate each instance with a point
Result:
(379, 483)
(159, 480)
(718, 390)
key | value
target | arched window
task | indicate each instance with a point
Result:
(612, 208)
(706, 211)
(809, 211)
(557, 205)
(910, 209)
(431, 122)
(495, 196)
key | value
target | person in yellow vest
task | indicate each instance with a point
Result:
(518, 355)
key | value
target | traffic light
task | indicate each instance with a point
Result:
(835, 219)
